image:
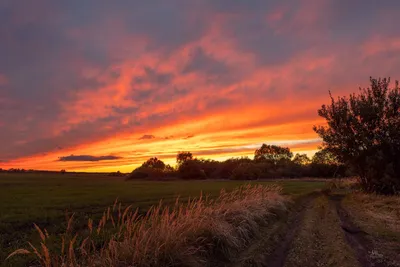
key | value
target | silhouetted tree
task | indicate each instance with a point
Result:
(168, 168)
(273, 153)
(183, 156)
(363, 130)
(323, 156)
(301, 159)
(246, 171)
(153, 168)
(154, 163)
(191, 169)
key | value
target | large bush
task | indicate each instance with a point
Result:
(191, 170)
(363, 131)
(246, 171)
(153, 168)
(272, 153)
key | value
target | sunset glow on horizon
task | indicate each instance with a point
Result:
(104, 85)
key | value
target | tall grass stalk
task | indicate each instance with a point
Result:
(185, 234)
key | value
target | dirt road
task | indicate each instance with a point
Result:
(317, 230)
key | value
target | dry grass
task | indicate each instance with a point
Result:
(375, 211)
(343, 183)
(189, 234)
(379, 216)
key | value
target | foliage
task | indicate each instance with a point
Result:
(147, 173)
(246, 171)
(191, 169)
(272, 153)
(301, 159)
(363, 131)
(276, 164)
(153, 168)
(154, 163)
(183, 156)
(324, 156)
(225, 168)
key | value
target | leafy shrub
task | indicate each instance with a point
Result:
(153, 168)
(191, 169)
(146, 173)
(363, 131)
(246, 171)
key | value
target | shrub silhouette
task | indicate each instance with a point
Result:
(183, 156)
(191, 169)
(246, 171)
(363, 131)
(272, 153)
(153, 168)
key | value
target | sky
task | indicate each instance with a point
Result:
(100, 85)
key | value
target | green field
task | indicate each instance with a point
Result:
(45, 199)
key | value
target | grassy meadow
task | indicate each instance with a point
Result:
(292, 222)
(45, 199)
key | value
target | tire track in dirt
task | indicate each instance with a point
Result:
(278, 258)
(272, 247)
(320, 240)
(355, 236)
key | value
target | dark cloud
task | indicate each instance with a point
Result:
(124, 110)
(147, 137)
(87, 158)
(153, 77)
(200, 61)
(170, 25)
(358, 18)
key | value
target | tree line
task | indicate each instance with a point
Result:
(269, 161)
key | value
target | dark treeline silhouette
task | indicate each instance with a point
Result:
(269, 162)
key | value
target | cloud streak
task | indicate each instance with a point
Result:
(147, 137)
(87, 158)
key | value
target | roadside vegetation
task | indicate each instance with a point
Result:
(363, 131)
(186, 234)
